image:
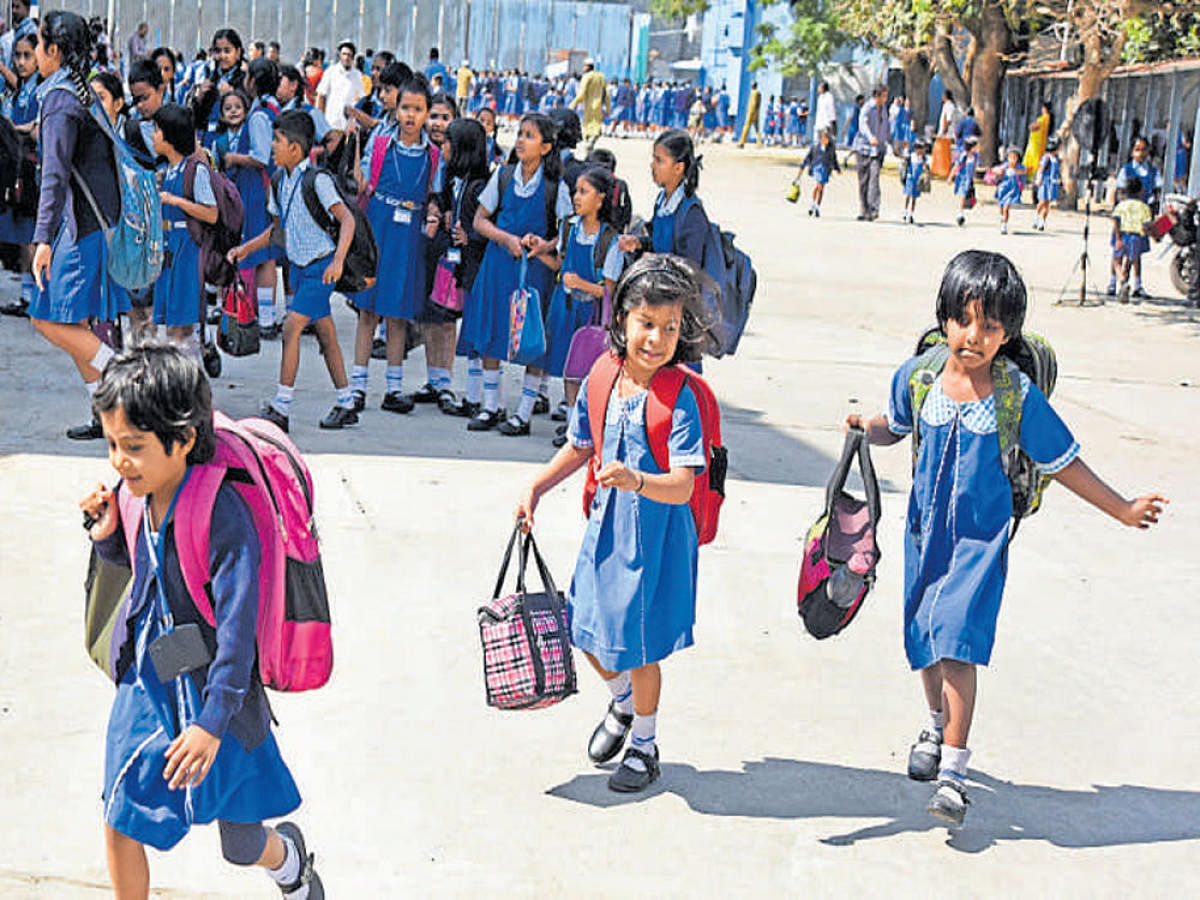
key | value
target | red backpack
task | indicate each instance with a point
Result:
(709, 491)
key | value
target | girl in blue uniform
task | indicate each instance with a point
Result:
(1010, 186)
(820, 163)
(249, 165)
(396, 211)
(70, 253)
(224, 72)
(20, 106)
(679, 221)
(1049, 182)
(179, 290)
(582, 283)
(196, 747)
(959, 513)
(518, 232)
(632, 601)
(917, 164)
(963, 175)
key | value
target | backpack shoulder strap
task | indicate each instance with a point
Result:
(564, 235)
(1006, 386)
(551, 191)
(929, 365)
(378, 151)
(193, 524)
(604, 241)
(660, 405)
(508, 172)
(130, 508)
(308, 190)
(600, 381)
(189, 178)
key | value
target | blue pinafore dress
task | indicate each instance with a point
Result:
(632, 600)
(959, 515)
(21, 109)
(245, 786)
(486, 316)
(1051, 179)
(252, 184)
(571, 310)
(912, 179)
(1008, 190)
(179, 290)
(396, 212)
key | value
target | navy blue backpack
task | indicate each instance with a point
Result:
(733, 274)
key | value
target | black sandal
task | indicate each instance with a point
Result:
(514, 426)
(485, 420)
(628, 780)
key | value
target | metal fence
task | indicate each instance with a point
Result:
(496, 34)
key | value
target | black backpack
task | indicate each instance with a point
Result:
(362, 260)
(604, 240)
(622, 205)
(10, 160)
(507, 173)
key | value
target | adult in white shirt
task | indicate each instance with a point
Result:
(949, 117)
(825, 116)
(342, 85)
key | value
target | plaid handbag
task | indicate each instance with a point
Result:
(527, 662)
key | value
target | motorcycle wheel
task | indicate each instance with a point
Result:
(1181, 269)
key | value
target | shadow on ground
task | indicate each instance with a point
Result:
(1001, 811)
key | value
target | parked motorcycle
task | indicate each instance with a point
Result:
(1181, 212)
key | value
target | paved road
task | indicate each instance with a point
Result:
(783, 758)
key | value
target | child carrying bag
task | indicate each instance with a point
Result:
(238, 335)
(527, 662)
(840, 552)
(590, 342)
(526, 330)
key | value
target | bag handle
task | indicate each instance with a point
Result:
(837, 481)
(543, 569)
(512, 542)
(870, 483)
(524, 269)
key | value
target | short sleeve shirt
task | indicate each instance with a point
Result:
(1133, 216)
(489, 197)
(685, 444)
(306, 241)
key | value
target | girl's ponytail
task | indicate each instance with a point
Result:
(71, 35)
(678, 143)
(691, 177)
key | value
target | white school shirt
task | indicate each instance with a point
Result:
(306, 241)
(489, 197)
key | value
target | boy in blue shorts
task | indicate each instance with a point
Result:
(316, 265)
(1129, 242)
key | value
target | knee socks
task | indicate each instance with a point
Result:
(104, 353)
(438, 377)
(529, 395)
(937, 721)
(395, 379)
(544, 385)
(266, 306)
(358, 378)
(345, 397)
(621, 689)
(474, 379)
(491, 389)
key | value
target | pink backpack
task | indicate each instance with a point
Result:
(378, 153)
(295, 649)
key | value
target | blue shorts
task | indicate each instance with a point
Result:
(1132, 246)
(312, 295)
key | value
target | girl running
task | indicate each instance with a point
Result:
(1010, 186)
(1049, 182)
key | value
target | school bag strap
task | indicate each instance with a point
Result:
(508, 173)
(855, 447)
(378, 152)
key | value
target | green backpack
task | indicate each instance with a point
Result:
(1031, 354)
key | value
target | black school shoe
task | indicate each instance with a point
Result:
(339, 417)
(541, 405)
(514, 426)
(427, 394)
(925, 756)
(397, 402)
(86, 431)
(462, 408)
(360, 400)
(18, 308)
(270, 332)
(274, 416)
(308, 875)
(378, 349)
(628, 780)
(486, 421)
(603, 744)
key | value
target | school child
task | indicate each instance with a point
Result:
(582, 283)
(69, 245)
(1010, 186)
(820, 163)
(225, 71)
(1130, 218)
(234, 107)
(622, 204)
(1139, 167)
(956, 540)
(523, 222)
(315, 265)
(632, 600)
(198, 747)
(963, 174)
(793, 123)
(1048, 182)
(164, 60)
(179, 291)
(20, 106)
(397, 213)
(487, 118)
(248, 162)
(679, 222)
(917, 165)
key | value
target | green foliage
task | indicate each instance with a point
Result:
(1160, 36)
(891, 25)
(805, 45)
(677, 10)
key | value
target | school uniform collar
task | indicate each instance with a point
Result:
(289, 177)
(420, 148)
(523, 188)
(57, 80)
(667, 206)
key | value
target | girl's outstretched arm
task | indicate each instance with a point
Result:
(1141, 512)
(877, 430)
(565, 463)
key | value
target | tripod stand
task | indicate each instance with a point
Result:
(1082, 263)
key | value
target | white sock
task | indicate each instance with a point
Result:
(529, 395)
(266, 307)
(358, 378)
(345, 397)
(104, 353)
(642, 738)
(621, 688)
(445, 380)
(954, 762)
(283, 399)
(474, 379)
(289, 870)
(544, 385)
(395, 379)
(937, 721)
(491, 390)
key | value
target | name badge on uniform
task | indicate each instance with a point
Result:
(402, 216)
(454, 256)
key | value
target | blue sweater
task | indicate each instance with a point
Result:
(233, 695)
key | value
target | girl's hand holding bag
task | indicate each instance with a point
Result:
(526, 330)
(590, 342)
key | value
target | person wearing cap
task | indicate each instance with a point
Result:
(593, 94)
(341, 86)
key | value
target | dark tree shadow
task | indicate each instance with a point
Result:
(1001, 811)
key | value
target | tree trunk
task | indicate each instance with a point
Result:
(946, 65)
(992, 40)
(1099, 60)
(968, 68)
(917, 75)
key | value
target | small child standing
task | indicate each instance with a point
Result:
(917, 166)
(1130, 217)
(1010, 186)
(1141, 168)
(963, 174)
(632, 601)
(959, 515)
(196, 747)
(315, 265)
(1049, 182)
(820, 163)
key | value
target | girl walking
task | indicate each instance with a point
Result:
(1010, 186)
(956, 540)
(679, 222)
(820, 163)
(633, 597)
(1049, 182)
(917, 166)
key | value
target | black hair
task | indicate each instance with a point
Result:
(417, 84)
(71, 35)
(176, 124)
(552, 165)
(291, 73)
(569, 132)
(29, 37)
(145, 71)
(349, 44)
(1132, 186)
(859, 99)
(433, 52)
(679, 144)
(162, 391)
(468, 150)
(988, 277)
(296, 126)
(260, 46)
(228, 34)
(111, 83)
(444, 99)
(1053, 143)
(604, 157)
(274, 45)
(238, 95)
(660, 279)
(395, 74)
(159, 52)
(601, 181)
(386, 57)
(264, 75)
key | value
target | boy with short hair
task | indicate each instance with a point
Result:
(316, 265)
(1130, 217)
